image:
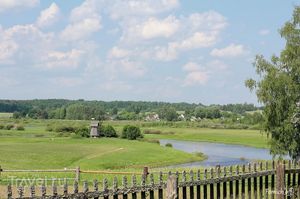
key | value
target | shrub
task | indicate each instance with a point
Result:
(108, 131)
(64, 128)
(131, 132)
(1, 126)
(9, 126)
(169, 145)
(83, 132)
(20, 128)
(49, 128)
(148, 131)
(156, 141)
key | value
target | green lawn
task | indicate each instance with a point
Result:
(104, 153)
(252, 138)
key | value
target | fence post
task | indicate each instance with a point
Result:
(77, 174)
(146, 171)
(172, 187)
(280, 183)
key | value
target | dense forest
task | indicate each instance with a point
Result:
(121, 110)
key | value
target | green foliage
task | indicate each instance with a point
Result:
(9, 126)
(278, 89)
(131, 132)
(83, 132)
(168, 145)
(108, 131)
(20, 127)
(207, 112)
(168, 113)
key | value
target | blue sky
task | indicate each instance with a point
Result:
(151, 50)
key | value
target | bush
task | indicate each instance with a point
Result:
(83, 132)
(148, 131)
(131, 132)
(9, 126)
(20, 128)
(169, 145)
(1, 126)
(108, 131)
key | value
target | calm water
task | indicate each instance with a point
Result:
(219, 154)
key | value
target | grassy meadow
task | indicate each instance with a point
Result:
(37, 148)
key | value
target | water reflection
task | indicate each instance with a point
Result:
(219, 154)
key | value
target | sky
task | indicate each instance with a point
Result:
(196, 51)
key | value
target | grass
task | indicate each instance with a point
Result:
(252, 138)
(36, 148)
(6, 115)
(97, 154)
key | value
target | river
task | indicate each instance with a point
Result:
(218, 154)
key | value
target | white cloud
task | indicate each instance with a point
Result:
(191, 66)
(58, 59)
(7, 50)
(119, 9)
(81, 30)
(196, 78)
(117, 52)
(159, 28)
(197, 40)
(67, 81)
(232, 50)
(11, 4)
(264, 32)
(88, 9)
(196, 75)
(48, 16)
(198, 30)
(115, 86)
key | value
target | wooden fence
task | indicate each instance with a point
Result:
(259, 180)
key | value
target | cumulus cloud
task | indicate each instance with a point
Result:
(48, 16)
(7, 50)
(233, 50)
(198, 30)
(117, 52)
(119, 9)
(196, 75)
(81, 29)
(159, 28)
(11, 4)
(59, 59)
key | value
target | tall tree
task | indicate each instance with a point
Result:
(278, 88)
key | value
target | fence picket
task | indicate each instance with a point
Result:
(96, 188)
(184, 183)
(230, 183)
(205, 185)
(225, 184)
(198, 186)
(151, 192)
(243, 182)
(255, 181)
(237, 183)
(273, 181)
(249, 181)
(160, 190)
(133, 185)
(191, 184)
(211, 186)
(266, 192)
(218, 183)
(143, 185)
(125, 185)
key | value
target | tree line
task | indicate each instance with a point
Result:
(119, 110)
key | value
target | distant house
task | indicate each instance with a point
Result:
(152, 117)
(94, 128)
